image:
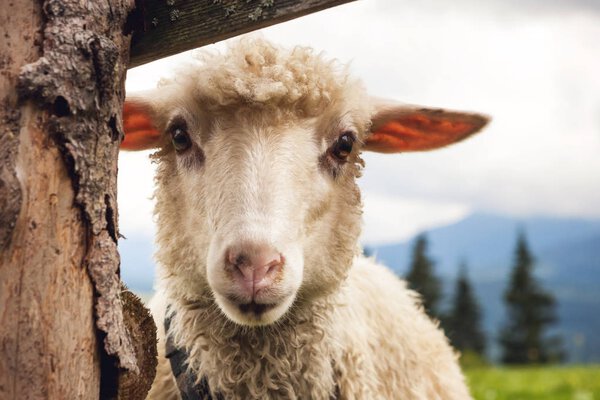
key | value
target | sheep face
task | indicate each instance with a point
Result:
(260, 200)
(258, 208)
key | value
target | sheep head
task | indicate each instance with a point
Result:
(258, 152)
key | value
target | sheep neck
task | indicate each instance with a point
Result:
(242, 362)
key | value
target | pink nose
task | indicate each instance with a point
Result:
(254, 266)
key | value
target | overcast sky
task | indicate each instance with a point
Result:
(534, 66)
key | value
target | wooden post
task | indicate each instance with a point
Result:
(63, 65)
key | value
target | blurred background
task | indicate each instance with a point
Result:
(501, 233)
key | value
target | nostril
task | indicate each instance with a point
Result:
(236, 258)
(241, 260)
(275, 265)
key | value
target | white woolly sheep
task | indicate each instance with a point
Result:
(261, 281)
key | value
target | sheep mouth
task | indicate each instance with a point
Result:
(254, 308)
(253, 311)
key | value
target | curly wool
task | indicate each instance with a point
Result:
(257, 73)
(369, 340)
(269, 362)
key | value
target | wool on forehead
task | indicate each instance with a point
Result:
(254, 72)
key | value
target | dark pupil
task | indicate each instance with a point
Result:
(181, 140)
(343, 146)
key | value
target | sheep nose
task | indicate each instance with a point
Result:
(255, 266)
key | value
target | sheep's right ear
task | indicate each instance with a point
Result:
(401, 128)
(138, 122)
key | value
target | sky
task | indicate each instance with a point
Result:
(533, 66)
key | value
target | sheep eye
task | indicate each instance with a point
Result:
(342, 147)
(181, 139)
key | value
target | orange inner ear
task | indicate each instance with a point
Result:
(140, 132)
(420, 131)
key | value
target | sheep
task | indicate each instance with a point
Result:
(261, 279)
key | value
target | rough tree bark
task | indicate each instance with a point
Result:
(62, 72)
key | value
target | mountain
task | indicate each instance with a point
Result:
(567, 252)
(568, 263)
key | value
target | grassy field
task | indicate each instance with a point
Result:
(525, 383)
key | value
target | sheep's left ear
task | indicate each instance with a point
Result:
(139, 125)
(399, 128)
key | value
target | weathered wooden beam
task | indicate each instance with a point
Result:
(165, 27)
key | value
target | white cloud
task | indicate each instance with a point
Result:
(389, 219)
(135, 189)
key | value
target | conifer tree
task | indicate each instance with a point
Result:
(531, 310)
(463, 323)
(421, 277)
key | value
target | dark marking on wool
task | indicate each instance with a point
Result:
(190, 388)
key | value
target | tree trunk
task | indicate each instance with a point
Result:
(63, 65)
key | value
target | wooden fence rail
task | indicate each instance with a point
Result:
(165, 27)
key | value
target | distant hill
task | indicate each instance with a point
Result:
(568, 263)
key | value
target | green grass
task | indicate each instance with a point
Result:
(525, 383)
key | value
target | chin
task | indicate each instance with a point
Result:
(253, 313)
